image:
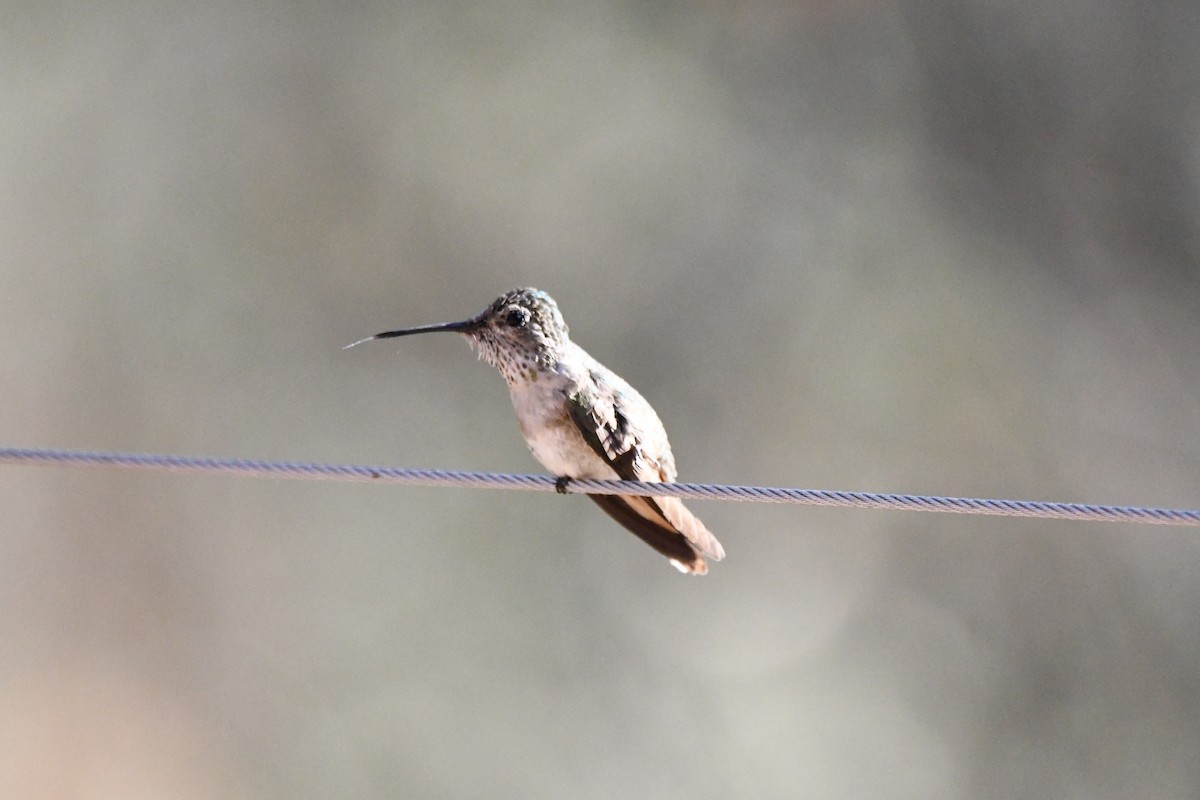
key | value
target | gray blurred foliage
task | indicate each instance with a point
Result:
(917, 247)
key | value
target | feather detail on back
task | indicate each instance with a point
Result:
(605, 408)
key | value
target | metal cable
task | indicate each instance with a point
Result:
(300, 470)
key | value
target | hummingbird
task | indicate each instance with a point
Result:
(581, 420)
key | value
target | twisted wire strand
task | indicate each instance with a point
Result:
(301, 470)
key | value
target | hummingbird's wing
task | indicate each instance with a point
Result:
(603, 412)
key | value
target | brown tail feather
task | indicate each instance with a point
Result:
(657, 533)
(684, 521)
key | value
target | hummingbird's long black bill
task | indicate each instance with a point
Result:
(466, 326)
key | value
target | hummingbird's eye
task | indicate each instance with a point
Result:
(517, 318)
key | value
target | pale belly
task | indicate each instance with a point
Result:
(552, 435)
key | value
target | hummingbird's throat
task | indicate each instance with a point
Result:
(516, 366)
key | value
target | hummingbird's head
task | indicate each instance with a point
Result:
(521, 332)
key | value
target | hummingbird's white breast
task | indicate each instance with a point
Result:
(552, 435)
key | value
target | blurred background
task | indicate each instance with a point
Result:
(921, 247)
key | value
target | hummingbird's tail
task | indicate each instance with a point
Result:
(668, 527)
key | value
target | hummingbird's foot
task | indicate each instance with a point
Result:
(560, 484)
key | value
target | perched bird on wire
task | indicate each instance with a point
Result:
(581, 420)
